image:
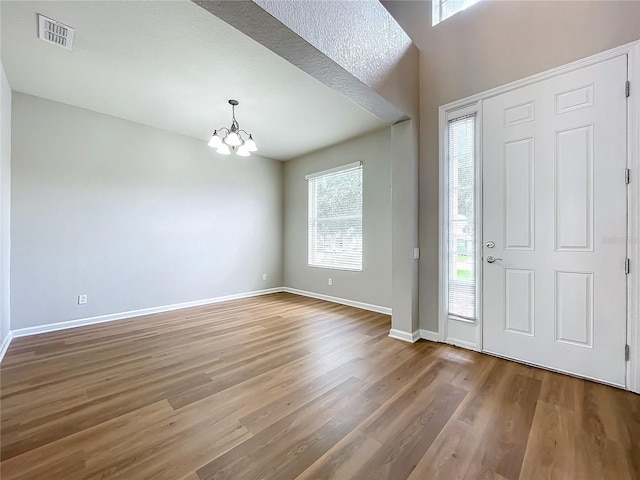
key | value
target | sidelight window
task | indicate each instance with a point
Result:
(461, 210)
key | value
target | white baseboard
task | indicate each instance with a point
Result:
(405, 336)
(429, 335)
(5, 345)
(52, 327)
(463, 344)
(342, 301)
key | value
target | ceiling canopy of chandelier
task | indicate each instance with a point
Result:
(233, 139)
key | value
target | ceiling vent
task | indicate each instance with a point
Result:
(55, 32)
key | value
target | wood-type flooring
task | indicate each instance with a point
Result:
(288, 387)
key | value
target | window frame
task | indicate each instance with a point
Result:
(450, 327)
(313, 219)
(436, 10)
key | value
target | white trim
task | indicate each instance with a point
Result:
(443, 222)
(53, 327)
(341, 301)
(429, 335)
(5, 345)
(331, 171)
(463, 344)
(633, 241)
(631, 49)
(462, 108)
(405, 336)
(465, 111)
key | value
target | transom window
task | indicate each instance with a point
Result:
(335, 218)
(443, 9)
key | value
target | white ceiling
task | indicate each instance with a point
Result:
(173, 65)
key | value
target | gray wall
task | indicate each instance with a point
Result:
(132, 216)
(487, 45)
(404, 174)
(5, 202)
(373, 284)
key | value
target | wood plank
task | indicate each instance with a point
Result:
(274, 449)
(344, 460)
(401, 452)
(287, 387)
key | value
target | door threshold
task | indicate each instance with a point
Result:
(555, 370)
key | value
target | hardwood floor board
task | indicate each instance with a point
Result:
(282, 380)
(233, 377)
(270, 446)
(596, 418)
(48, 370)
(72, 392)
(504, 423)
(299, 456)
(473, 367)
(178, 443)
(311, 341)
(402, 450)
(65, 467)
(64, 422)
(552, 450)
(251, 395)
(389, 385)
(484, 396)
(628, 423)
(12, 357)
(284, 387)
(377, 338)
(450, 454)
(296, 398)
(344, 459)
(191, 476)
(400, 410)
(520, 398)
(101, 437)
(560, 390)
(386, 358)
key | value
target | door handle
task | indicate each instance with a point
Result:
(491, 259)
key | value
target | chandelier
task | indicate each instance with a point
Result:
(227, 140)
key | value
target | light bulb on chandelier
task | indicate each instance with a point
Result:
(233, 139)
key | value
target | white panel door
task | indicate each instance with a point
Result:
(555, 206)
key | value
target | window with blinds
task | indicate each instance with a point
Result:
(461, 222)
(335, 218)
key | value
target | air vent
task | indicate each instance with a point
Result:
(55, 32)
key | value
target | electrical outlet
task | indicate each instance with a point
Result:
(264, 276)
(82, 299)
(330, 282)
(416, 253)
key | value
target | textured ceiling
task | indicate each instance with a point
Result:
(173, 65)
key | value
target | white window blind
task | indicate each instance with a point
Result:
(461, 222)
(335, 218)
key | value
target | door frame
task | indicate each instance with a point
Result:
(469, 334)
